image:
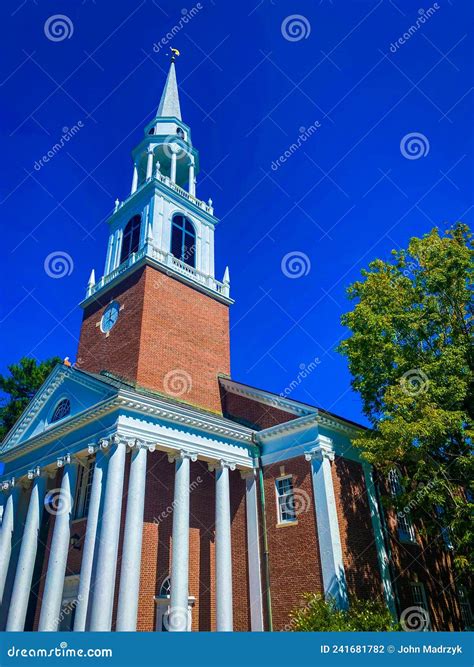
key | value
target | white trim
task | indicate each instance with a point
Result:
(329, 539)
(253, 553)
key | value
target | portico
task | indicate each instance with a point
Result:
(144, 426)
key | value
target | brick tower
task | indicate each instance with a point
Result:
(158, 317)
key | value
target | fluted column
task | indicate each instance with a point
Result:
(332, 566)
(57, 561)
(149, 163)
(90, 542)
(132, 542)
(27, 557)
(223, 549)
(104, 584)
(8, 525)
(178, 613)
(134, 179)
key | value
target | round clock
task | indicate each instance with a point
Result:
(110, 317)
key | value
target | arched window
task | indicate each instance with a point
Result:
(131, 237)
(183, 240)
(165, 588)
(63, 409)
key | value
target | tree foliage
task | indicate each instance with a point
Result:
(20, 385)
(316, 614)
(411, 356)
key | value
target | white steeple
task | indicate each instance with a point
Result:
(169, 103)
(162, 221)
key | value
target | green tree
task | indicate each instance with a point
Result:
(411, 356)
(316, 614)
(20, 385)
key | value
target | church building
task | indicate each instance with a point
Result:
(145, 489)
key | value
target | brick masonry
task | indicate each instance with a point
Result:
(165, 328)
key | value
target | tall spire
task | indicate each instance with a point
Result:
(169, 103)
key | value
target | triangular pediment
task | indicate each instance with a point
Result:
(82, 390)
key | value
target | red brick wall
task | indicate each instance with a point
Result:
(429, 563)
(251, 413)
(355, 526)
(164, 326)
(293, 550)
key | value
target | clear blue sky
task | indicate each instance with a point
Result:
(347, 196)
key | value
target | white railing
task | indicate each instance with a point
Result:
(184, 193)
(166, 259)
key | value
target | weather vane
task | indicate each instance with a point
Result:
(174, 54)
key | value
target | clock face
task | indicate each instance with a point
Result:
(110, 317)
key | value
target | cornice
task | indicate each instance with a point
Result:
(292, 426)
(180, 414)
(142, 405)
(267, 398)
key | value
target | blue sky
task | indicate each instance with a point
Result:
(252, 80)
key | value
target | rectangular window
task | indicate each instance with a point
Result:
(406, 531)
(285, 499)
(419, 600)
(83, 491)
(465, 606)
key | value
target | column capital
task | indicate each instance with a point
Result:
(150, 150)
(248, 473)
(182, 454)
(323, 450)
(222, 463)
(8, 484)
(34, 473)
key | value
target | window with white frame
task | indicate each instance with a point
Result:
(406, 531)
(285, 499)
(420, 600)
(83, 491)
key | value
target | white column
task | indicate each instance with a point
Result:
(89, 549)
(104, 584)
(173, 165)
(149, 163)
(134, 179)
(10, 518)
(108, 260)
(253, 552)
(332, 566)
(178, 614)
(27, 557)
(192, 179)
(118, 248)
(53, 588)
(223, 549)
(127, 611)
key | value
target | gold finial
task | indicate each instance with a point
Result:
(174, 54)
